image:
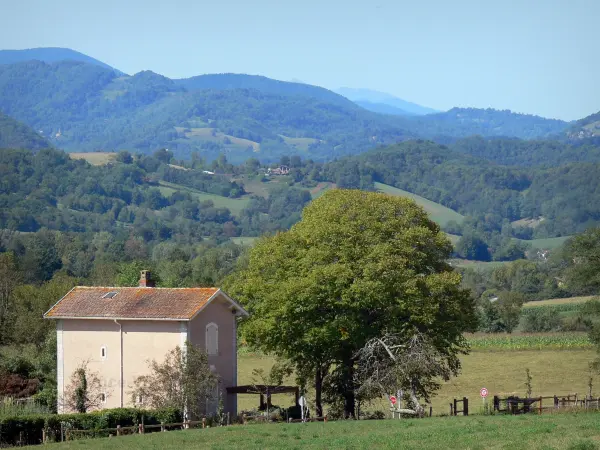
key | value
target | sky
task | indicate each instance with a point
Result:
(531, 56)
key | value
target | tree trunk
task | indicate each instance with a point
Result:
(319, 374)
(416, 404)
(348, 386)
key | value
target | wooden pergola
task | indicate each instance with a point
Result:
(265, 390)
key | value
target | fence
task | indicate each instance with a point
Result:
(523, 405)
(454, 407)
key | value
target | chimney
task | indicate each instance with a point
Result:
(145, 280)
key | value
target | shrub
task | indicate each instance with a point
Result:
(541, 319)
(32, 425)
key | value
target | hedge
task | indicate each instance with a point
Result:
(29, 429)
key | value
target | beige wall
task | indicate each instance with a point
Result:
(225, 362)
(81, 341)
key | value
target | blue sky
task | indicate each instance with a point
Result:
(532, 56)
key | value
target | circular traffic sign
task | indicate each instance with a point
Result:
(393, 399)
(483, 392)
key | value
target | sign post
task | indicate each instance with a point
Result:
(484, 393)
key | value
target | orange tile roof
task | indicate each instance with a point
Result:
(131, 303)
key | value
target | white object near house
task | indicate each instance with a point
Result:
(118, 330)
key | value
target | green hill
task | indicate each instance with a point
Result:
(14, 134)
(438, 213)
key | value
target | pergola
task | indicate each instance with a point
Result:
(265, 390)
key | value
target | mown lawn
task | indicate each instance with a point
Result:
(568, 431)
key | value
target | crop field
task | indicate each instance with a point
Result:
(299, 143)
(565, 431)
(95, 158)
(438, 213)
(235, 205)
(558, 301)
(529, 341)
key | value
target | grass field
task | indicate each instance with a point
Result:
(299, 143)
(95, 158)
(477, 265)
(438, 213)
(229, 142)
(567, 431)
(500, 370)
(244, 240)
(547, 243)
(235, 205)
(558, 301)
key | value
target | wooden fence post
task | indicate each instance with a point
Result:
(204, 422)
(455, 402)
(118, 430)
(44, 437)
(465, 406)
(140, 428)
(496, 403)
(540, 404)
(451, 409)
(430, 411)
(162, 427)
(325, 419)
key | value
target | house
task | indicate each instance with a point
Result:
(118, 330)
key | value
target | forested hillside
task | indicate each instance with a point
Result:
(86, 107)
(14, 134)
(566, 196)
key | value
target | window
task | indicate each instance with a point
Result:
(109, 294)
(103, 398)
(103, 352)
(212, 339)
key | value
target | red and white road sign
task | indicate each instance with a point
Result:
(483, 392)
(392, 399)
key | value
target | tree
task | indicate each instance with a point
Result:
(583, 255)
(357, 265)
(472, 247)
(414, 365)
(509, 307)
(85, 392)
(183, 381)
(9, 279)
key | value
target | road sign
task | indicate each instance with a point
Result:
(483, 392)
(392, 399)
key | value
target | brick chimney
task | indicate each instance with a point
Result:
(145, 280)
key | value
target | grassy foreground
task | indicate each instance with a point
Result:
(551, 431)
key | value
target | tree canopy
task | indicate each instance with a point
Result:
(357, 265)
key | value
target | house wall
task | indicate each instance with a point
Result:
(225, 362)
(82, 341)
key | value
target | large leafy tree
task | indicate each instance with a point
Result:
(358, 265)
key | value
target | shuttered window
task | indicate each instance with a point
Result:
(212, 339)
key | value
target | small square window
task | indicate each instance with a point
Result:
(103, 398)
(103, 352)
(109, 294)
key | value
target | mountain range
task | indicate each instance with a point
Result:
(81, 104)
(383, 103)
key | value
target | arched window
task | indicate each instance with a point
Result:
(212, 339)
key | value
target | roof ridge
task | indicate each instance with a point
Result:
(143, 287)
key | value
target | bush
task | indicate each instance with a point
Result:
(539, 319)
(32, 425)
